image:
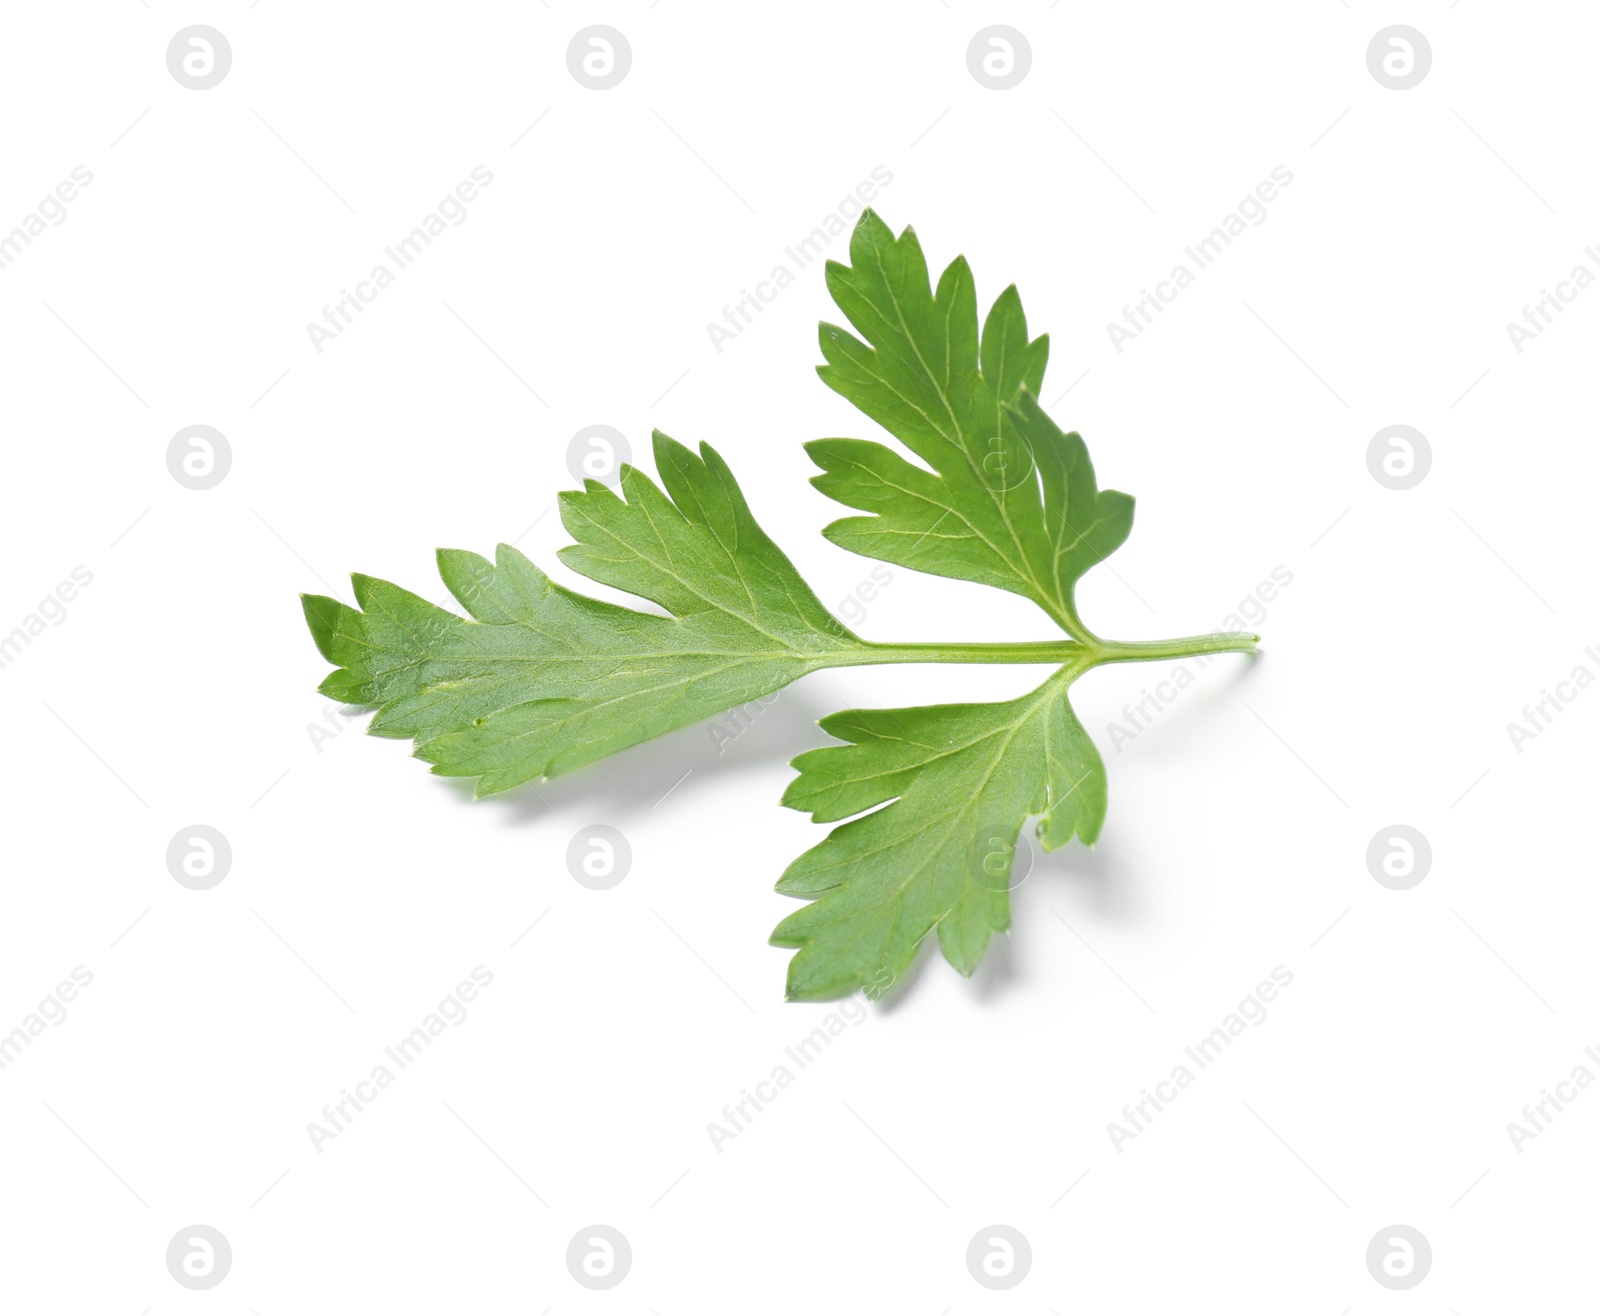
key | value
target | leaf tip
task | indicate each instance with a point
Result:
(322, 619)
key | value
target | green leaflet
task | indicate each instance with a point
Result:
(1009, 501)
(544, 680)
(539, 680)
(962, 778)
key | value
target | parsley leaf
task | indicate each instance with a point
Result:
(961, 778)
(543, 680)
(538, 680)
(1010, 501)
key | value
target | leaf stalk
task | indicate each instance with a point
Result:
(1076, 653)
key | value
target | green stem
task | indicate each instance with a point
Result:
(1083, 656)
(1191, 646)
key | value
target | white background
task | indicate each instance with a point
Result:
(180, 687)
